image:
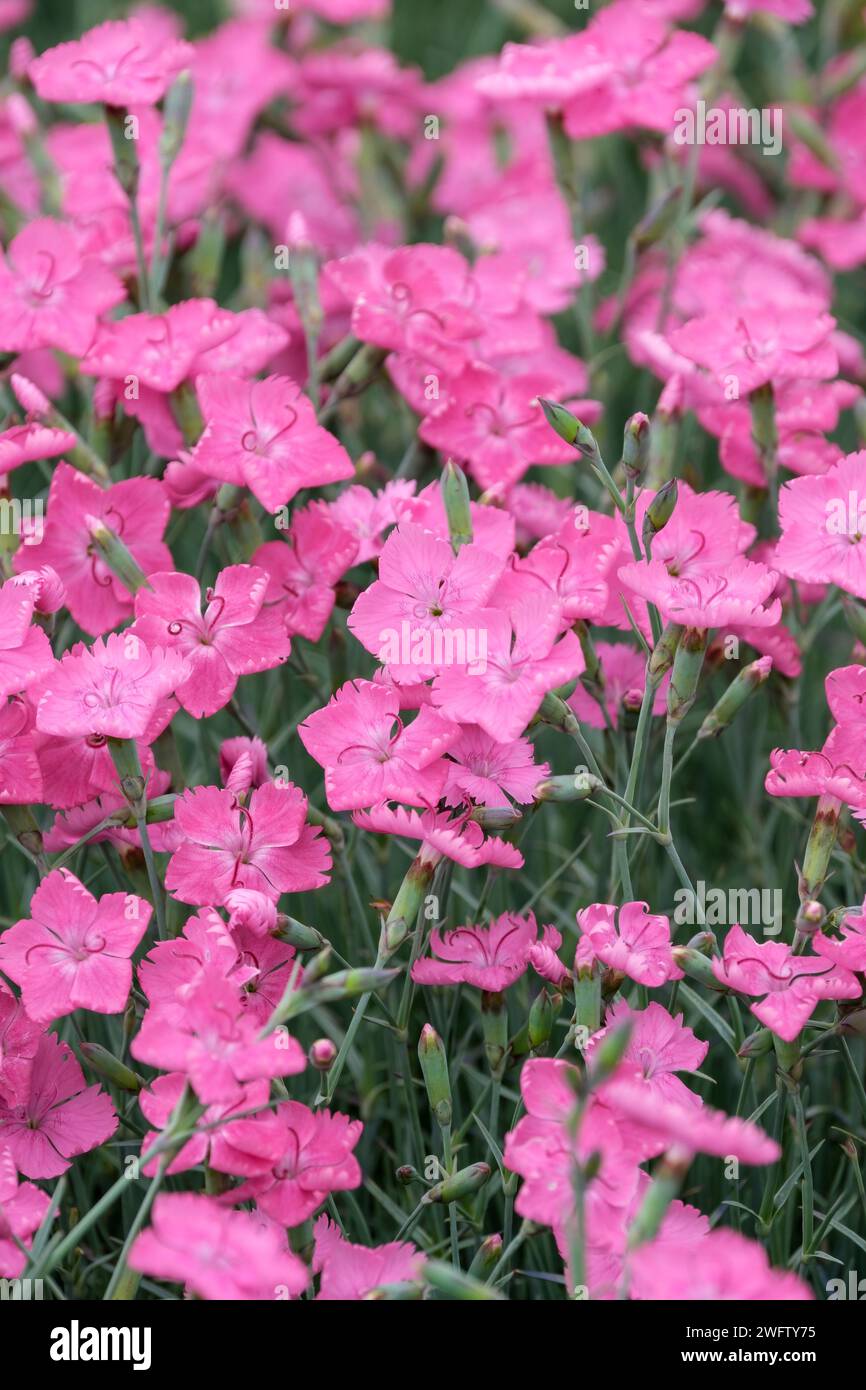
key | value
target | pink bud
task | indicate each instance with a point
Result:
(251, 909)
(29, 396)
(322, 1054)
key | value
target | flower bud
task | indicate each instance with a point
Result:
(636, 445)
(567, 788)
(175, 110)
(297, 934)
(731, 702)
(660, 511)
(609, 1053)
(117, 557)
(29, 396)
(104, 1063)
(434, 1069)
(486, 1257)
(757, 1044)
(251, 909)
(322, 1054)
(697, 967)
(455, 497)
(542, 1016)
(688, 664)
(663, 653)
(822, 838)
(494, 1019)
(809, 917)
(458, 1185)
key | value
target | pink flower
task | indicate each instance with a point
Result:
(837, 771)
(291, 1160)
(502, 690)
(761, 345)
(20, 773)
(793, 985)
(59, 1118)
(823, 523)
(114, 688)
(74, 952)
(215, 1042)
(158, 1103)
(496, 424)
(119, 63)
(243, 764)
(722, 1266)
(849, 949)
(629, 939)
(255, 911)
(19, 1042)
(217, 1253)
(688, 1128)
(235, 635)
(351, 1272)
(264, 435)
(25, 652)
(415, 299)
(624, 671)
(369, 755)
(793, 11)
(489, 958)
(488, 772)
(22, 1209)
(737, 594)
(49, 295)
(369, 514)
(136, 511)
(659, 1045)
(649, 67)
(427, 593)
(24, 443)
(266, 845)
(159, 351)
(303, 573)
(441, 835)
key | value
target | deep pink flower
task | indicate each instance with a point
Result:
(19, 1042)
(624, 671)
(441, 835)
(837, 771)
(20, 773)
(125, 62)
(369, 755)
(351, 1272)
(160, 1099)
(688, 1128)
(136, 511)
(369, 514)
(266, 845)
(488, 772)
(415, 299)
(847, 950)
(488, 957)
(263, 435)
(502, 689)
(823, 522)
(217, 1253)
(629, 939)
(419, 614)
(115, 688)
(496, 424)
(659, 1045)
(292, 1159)
(216, 1042)
(24, 443)
(25, 652)
(74, 951)
(22, 1209)
(740, 593)
(760, 346)
(303, 573)
(234, 636)
(50, 296)
(722, 1266)
(159, 351)
(793, 985)
(59, 1118)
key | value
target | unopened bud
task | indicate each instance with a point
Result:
(104, 1063)
(688, 664)
(434, 1069)
(757, 1044)
(458, 1185)
(455, 498)
(636, 445)
(322, 1054)
(660, 510)
(731, 702)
